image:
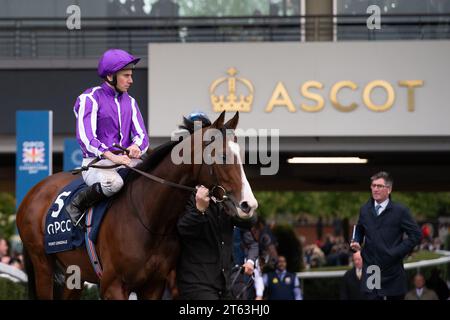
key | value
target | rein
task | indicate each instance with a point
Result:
(92, 164)
(239, 270)
(160, 180)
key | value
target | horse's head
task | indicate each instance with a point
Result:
(220, 168)
(268, 254)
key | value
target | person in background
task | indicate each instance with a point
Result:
(381, 227)
(4, 251)
(245, 255)
(281, 284)
(420, 292)
(351, 282)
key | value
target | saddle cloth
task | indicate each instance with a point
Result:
(60, 235)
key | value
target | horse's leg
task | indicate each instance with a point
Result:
(113, 289)
(72, 294)
(172, 284)
(154, 291)
(43, 272)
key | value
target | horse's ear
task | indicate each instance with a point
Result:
(232, 123)
(219, 121)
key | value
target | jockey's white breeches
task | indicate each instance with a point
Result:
(110, 181)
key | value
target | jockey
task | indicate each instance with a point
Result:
(107, 115)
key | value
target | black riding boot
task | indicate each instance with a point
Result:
(85, 199)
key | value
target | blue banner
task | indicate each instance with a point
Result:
(34, 131)
(72, 154)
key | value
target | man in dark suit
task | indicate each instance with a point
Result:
(382, 225)
(206, 237)
(351, 282)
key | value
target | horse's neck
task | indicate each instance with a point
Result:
(154, 200)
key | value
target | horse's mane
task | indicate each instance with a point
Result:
(159, 153)
(152, 160)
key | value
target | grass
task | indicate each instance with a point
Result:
(330, 268)
(422, 255)
(10, 290)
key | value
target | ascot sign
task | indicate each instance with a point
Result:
(281, 98)
(343, 89)
(233, 101)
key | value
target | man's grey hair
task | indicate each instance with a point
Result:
(383, 175)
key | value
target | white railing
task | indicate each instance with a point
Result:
(12, 273)
(17, 275)
(410, 265)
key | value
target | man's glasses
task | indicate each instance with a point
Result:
(378, 186)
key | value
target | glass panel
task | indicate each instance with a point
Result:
(400, 19)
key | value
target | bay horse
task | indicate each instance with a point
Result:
(137, 243)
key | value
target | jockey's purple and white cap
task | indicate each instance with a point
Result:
(114, 60)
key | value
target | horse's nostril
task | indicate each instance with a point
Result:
(245, 207)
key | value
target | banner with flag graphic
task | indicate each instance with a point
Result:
(34, 130)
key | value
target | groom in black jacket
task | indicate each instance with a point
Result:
(206, 237)
(381, 228)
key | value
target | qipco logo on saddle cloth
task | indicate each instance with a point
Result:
(59, 225)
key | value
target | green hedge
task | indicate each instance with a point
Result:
(289, 246)
(321, 288)
(10, 290)
(7, 215)
(90, 293)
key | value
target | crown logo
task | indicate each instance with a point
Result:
(231, 102)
